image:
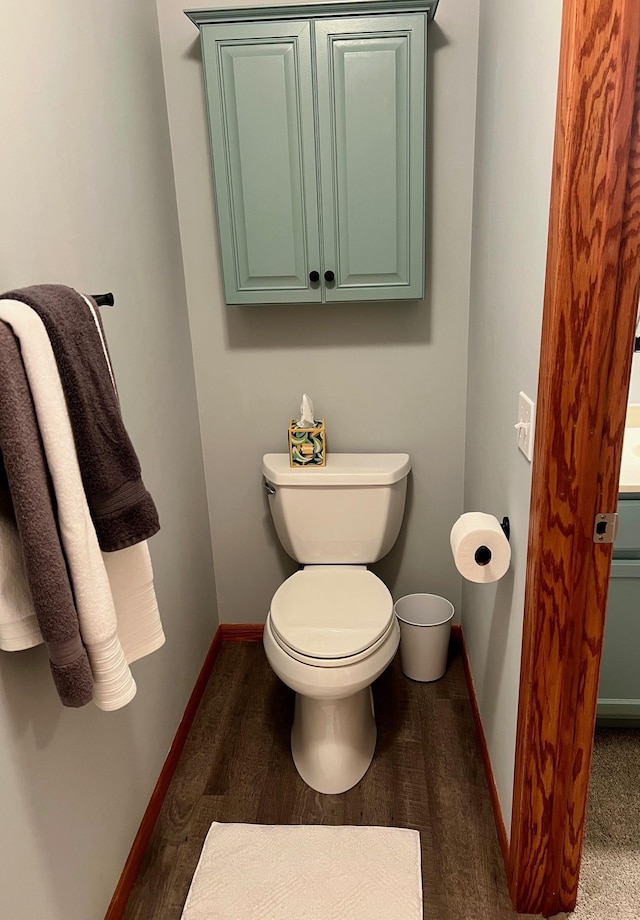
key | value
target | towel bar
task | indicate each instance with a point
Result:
(104, 300)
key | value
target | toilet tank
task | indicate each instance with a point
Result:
(347, 512)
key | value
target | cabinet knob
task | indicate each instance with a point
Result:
(329, 276)
(314, 276)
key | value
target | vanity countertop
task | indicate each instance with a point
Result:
(630, 469)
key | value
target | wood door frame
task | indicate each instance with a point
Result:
(590, 306)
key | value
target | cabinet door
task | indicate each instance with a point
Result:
(260, 100)
(371, 82)
(619, 690)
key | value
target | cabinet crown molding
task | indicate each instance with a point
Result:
(328, 8)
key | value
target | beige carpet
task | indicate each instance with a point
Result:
(289, 872)
(610, 876)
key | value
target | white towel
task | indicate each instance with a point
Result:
(114, 685)
(131, 579)
(18, 622)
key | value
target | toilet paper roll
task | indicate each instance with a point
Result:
(480, 548)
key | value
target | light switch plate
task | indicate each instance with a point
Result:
(525, 426)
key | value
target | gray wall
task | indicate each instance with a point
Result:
(517, 84)
(387, 377)
(88, 199)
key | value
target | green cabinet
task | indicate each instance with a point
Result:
(619, 689)
(317, 127)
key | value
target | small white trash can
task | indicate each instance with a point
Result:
(425, 627)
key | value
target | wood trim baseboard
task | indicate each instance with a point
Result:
(458, 638)
(242, 632)
(116, 908)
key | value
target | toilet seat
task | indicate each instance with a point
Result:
(330, 616)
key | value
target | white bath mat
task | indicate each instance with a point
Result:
(303, 872)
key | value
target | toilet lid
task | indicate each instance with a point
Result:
(331, 611)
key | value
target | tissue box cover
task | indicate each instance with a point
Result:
(307, 446)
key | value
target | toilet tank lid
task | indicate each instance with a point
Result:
(341, 470)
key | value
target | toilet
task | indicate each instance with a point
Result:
(331, 629)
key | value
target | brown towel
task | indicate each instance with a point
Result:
(122, 510)
(25, 474)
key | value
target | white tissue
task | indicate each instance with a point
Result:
(307, 419)
(480, 548)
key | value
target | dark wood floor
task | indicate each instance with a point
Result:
(426, 774)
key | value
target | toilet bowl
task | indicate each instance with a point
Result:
(331, 629)
(330, 632)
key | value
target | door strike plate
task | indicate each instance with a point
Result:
(605, 528)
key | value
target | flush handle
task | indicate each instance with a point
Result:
(269, 489)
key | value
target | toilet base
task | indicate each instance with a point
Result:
(333, 740)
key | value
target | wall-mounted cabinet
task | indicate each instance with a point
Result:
(317, 126)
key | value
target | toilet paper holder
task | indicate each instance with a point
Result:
(483, 554)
